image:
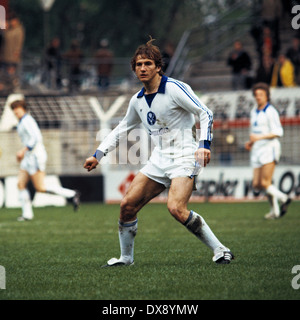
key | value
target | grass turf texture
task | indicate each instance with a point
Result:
(58, 255)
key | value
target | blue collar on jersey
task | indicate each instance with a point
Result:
(264, 109)
(23, 117)
(161, 88)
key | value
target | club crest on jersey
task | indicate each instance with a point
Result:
(151, 118)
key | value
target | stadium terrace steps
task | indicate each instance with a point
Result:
(213, 75)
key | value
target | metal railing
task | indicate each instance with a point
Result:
(35, 76)
(209, 40)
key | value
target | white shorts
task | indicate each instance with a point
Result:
(268, 153)
(33, 162)
(163, 170)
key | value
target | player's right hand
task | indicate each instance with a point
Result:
(248, 145)
(90, 163)
(202, 156)
(21, 154)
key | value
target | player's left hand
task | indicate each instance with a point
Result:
(90, 163)
(248, 145)
(202, 156)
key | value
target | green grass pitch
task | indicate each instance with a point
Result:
(58, 255)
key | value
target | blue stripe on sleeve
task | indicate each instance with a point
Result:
(197, 103)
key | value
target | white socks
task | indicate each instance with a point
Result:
(127, 233)
(25, 200)
(26, 204)
(197, 225)
(273, 191)
(275, 195)
(67, 193)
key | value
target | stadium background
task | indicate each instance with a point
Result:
(72, 123)
(57, 256)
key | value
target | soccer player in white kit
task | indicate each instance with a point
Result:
(265, 129)
(166, 107)
(32, 158)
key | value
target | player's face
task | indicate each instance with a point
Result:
(19, 112)
(261, 97)
(145, 69)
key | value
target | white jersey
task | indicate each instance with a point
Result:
(265, 121)
(31, 137)
(169, 118)
(29, 132)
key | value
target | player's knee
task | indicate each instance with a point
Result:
(21, 185)
(265, 183)
(128, 210)
(40, 189)
(256, 185)
(176, 211)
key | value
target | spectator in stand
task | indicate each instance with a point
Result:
(264, 41)
(73, 58)
(293, 53)
(271, 13)
(240, 62)
(104, 63)
(11, 51)
(53, 64)
(267, 40)
(268, 45)
(265, 69)
(283, 73)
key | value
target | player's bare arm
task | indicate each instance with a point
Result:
(255, 137)
(21, 153)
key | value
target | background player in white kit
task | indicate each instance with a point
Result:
(266, 149)
(166, 107)
(33, 159)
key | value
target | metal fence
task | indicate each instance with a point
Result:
(70, 126)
